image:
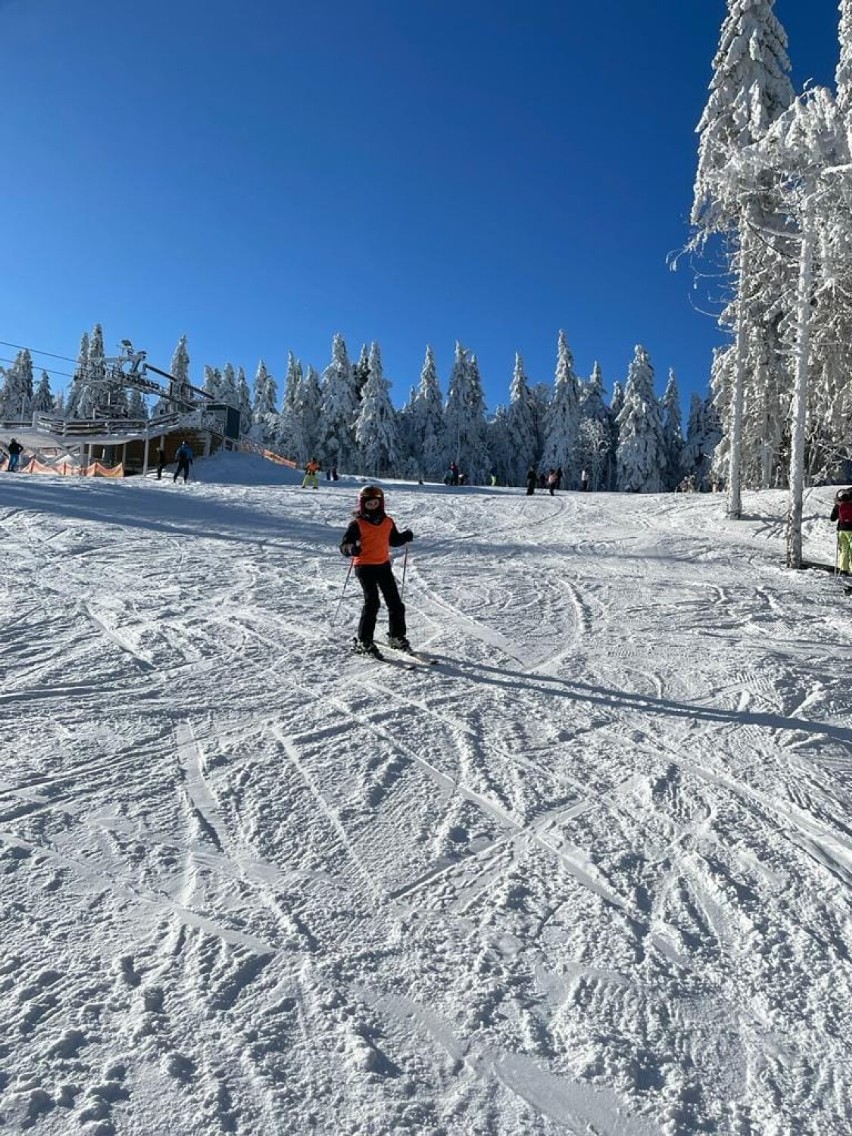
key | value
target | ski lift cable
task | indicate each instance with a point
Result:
(35, 351)
(50, 370)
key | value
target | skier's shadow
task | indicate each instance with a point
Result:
(647, 703)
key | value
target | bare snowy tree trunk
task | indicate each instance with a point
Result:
(737, 395)
(800, 388)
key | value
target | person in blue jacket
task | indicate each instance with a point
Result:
(184, 461)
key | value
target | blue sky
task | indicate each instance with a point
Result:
(260, 176)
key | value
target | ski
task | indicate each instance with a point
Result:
(407, 666)
(417, 656)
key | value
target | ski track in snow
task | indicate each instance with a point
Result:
(589, 874)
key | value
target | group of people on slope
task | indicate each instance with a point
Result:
(552, 480)
(454, 476)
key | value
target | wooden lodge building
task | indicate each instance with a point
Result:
(120, 447)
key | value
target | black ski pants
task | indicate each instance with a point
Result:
(375, 578)
(182, 468)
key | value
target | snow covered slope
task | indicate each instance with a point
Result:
(592, 874)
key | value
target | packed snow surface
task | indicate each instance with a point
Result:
(589, 874)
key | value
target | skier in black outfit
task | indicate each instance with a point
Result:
(15, 451)
(368, 540)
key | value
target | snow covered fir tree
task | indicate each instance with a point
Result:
(772, 201)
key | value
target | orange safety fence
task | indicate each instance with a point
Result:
(273, 457)
(98, 470)
(71, 469)
(270, 455)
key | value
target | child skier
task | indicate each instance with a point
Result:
(311, 471)
(368, 540)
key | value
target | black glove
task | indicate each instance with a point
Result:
(407, 536)
(350, 549)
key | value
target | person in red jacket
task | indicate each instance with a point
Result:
(368, 540)
(842, 513)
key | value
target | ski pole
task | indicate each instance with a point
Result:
(404, 566)
(343, 593)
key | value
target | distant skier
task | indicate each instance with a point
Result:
(311, 471)
(532, 479)
(15, 451)
(551, 482)
(184, 461)
(584, 481)
(368, 540)
(842, 513)
(161, 462)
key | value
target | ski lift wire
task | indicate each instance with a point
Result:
(49, 370)
(35, 351)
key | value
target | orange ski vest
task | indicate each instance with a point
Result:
(375, 542)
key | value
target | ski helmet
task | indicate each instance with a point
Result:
(369, 494)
